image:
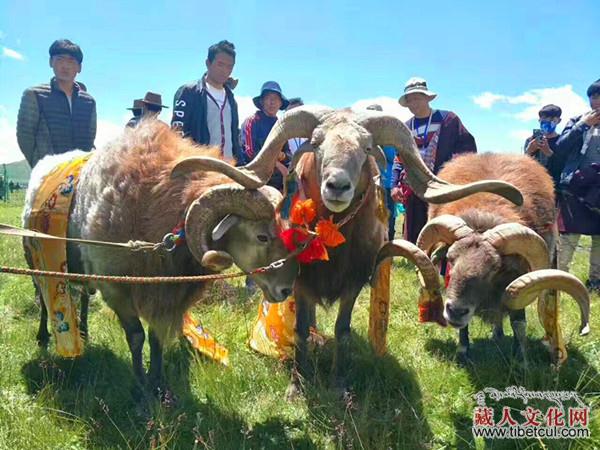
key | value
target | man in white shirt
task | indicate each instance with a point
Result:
(206, 110)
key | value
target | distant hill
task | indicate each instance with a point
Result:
(18, 172)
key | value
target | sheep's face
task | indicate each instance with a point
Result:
(474, 265)
(341, 151)
(253, 244)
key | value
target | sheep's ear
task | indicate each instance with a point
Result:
(224, 226)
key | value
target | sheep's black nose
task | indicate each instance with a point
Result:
(286, 292)
(456, 312)
(338, 187)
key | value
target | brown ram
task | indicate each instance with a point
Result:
(496, 249)
(127, 192)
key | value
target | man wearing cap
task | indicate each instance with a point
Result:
(579, 186)
(206, 110)
(58, 116)
(543, 146)
(439, 135)
(150, 107)
(256, 128)
(136, 110)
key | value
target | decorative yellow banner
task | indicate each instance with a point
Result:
(50, 214)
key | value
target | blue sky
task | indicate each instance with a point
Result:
(495, 64)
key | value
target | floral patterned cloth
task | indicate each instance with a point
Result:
(50, 215)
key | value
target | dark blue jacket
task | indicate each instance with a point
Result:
(568, 148)
(189, 115)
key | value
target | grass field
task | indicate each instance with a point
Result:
(415, 397)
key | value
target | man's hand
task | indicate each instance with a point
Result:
(397, 195)
(533, 147)
(591, 118)
(544, 147)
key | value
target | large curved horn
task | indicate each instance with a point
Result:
(431, 303)
(300, 122)
(389, 130)
(414, 254)
(525, 289)
(305, 148)
(204, 214)
(517, 239)
(445, 228)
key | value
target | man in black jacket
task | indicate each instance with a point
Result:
(59, 116)
(205, 110)
(579, 146)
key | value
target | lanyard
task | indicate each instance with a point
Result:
(424, 136)
(221, 109)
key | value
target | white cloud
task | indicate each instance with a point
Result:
(388, 104)
(245, 107)
(521, 135)
(532, 101)
(13, 54)
(9, 148)
(487, 99)
(107, 131)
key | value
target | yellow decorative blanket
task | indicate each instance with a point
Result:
(50, 215)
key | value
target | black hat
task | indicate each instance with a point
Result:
(66, 47)
(594, 88)
(550, 111)
(270, 86)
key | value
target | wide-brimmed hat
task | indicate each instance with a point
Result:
(416, 85)
(138, 103)
(152, 98)
(270, 86)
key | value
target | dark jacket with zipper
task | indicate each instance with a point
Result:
(189, 115)
(46, 125)
(574, 215)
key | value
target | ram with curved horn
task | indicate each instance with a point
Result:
(126, 192)
(499, 255)
(336, 168)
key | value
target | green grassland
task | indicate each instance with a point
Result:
(415, 397)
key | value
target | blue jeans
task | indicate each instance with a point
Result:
(391, 206)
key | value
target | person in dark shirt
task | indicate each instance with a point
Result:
(579, 186)
(543, 147)
(256, 128)
(136, 110)
(439, 135)
(58, 116)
